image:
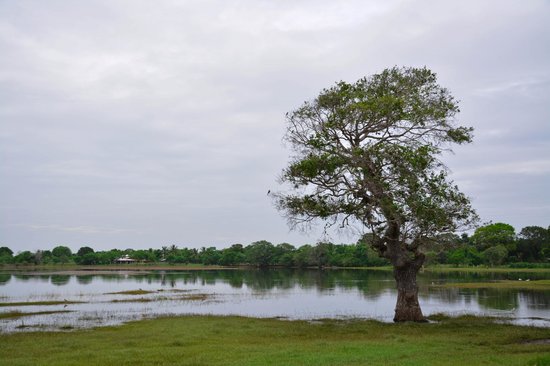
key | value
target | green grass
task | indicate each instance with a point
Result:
(483, 269)
(131, 292)
(140, 299)
(539, 285)
(39, 303)
(210, 340)
(18, 314)
(188, 297)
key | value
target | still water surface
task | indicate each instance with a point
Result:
(273, 293)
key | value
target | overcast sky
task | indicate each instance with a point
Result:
(149, 123)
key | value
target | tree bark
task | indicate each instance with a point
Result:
(407, 307)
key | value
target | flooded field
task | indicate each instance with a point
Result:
(77, 299)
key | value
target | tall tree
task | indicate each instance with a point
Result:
(494, 234)
(367, 153)
(531, 244)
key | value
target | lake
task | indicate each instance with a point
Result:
(102, 296)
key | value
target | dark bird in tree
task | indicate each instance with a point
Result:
(368, 154)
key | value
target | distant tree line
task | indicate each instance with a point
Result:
(261, 254)
(493, 244)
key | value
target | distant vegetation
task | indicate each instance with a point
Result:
(492, 245)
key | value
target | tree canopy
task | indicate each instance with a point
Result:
(368, 153)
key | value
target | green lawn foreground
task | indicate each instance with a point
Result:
(213, 340)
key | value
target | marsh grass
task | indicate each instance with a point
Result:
(131, 292)
(18, 314)
(188, 297)
(39, 303)
(177, 290)
(214, 340)
(540, 285)
(481, 269)
(195, 297)
(141, 299)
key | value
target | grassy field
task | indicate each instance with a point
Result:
(200, 340)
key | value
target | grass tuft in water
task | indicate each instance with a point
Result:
(18, 314)
(541, 285)
(131, 292)
(39, 303)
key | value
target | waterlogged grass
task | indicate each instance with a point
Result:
(141, 299)
(19, 314)
(482, 269)
(189, 297)
(131, 292)
(210, 340)
(39, 303)
(195, 297)
(539, 285)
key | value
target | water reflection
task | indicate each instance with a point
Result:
(302, 294)
(60, 280)
(84, 280)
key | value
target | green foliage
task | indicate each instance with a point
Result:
(5, 251)
(533, 244)
(24, 257)
(302, 256)
(62, 254)
(6, 255)
(87, 259)
(496, 255)
(83, 251)
(260, 253)
(209, 256)
(494, 234)
(232, 256)
(368, 153)
(464, 256)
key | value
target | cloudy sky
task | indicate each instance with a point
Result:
(148, 123)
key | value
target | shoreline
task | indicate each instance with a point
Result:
(84, 269)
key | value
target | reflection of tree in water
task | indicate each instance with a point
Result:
(60, 280)
(490, 299)
(268, 279)
(369, 283)
(84, 279)
(536, 300)
(500, 299)
(4, 278)
(444, 277)
(469, 276)
(22, 277)
(445, 295)
(115, 277)
(44, 278)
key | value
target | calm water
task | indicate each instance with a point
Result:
(272, 293)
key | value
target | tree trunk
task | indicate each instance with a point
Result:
(407, 307)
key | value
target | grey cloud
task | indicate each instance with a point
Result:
(141, 123)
